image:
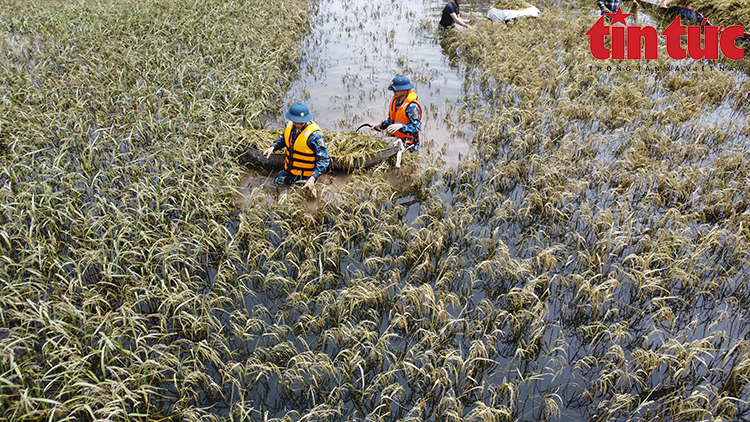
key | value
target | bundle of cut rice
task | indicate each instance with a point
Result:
(337, 143)
(511, 5)
(348, 149)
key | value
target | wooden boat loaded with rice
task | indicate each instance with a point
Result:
(349, 150)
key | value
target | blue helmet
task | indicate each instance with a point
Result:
(299, 113)
(400, 83)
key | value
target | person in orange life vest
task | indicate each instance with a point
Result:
(405, 114)
(306, 155)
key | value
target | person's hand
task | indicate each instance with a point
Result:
(310, 184)
(606, 10)
(267, 153)
(394, 128)
(375, 127)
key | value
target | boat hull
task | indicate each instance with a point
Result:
(250, 156)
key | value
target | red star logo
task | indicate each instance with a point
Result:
(619, 16)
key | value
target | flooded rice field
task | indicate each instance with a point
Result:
(570, 244)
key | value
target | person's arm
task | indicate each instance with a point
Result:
(460, 21)
(603, 6)
(382, 125)
(322, 159)
(277, 145)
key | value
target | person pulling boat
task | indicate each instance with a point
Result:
(306, 155)
(404, 114)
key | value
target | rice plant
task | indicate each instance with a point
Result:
(586, 260)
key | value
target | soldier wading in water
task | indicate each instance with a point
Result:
(404, 114)
(306, 155)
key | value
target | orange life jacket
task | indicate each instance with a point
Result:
(398, 114)
(300, 158)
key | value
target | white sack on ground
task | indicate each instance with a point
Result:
(506, 15)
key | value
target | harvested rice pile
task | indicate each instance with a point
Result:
(346, 146)
(340, 144)
(511, 5)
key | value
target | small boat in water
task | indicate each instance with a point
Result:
(250, 156)
(349, 150)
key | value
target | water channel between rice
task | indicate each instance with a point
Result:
(352, 52)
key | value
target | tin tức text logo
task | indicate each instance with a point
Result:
(714, 39)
